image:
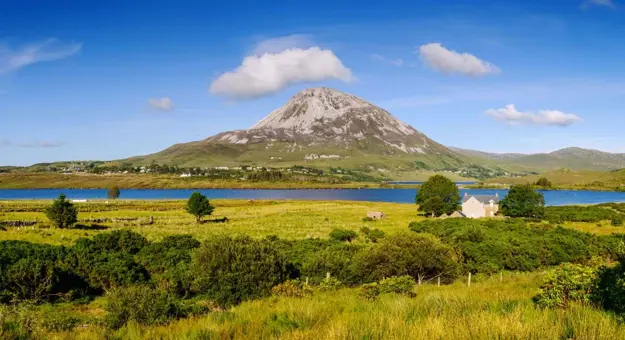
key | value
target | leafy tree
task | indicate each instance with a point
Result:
(113, 193)
(230, 270)
(523, 201)
(434, 206)
(442, 188)
(62, 212)
(543, 182)
(199, 206)
(422, 256)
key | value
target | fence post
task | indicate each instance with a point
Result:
(439, 281)
(501, 276)
(469, 280)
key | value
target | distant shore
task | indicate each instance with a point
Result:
(145, 181)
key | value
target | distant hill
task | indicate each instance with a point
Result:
(571, 158)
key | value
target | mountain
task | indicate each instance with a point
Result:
(317, 126)
(570, 158)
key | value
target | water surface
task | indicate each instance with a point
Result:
(552, 197)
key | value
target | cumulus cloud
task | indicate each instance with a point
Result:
(512, 116)
(259, 75)
(441, 59)
(41, 144)
(47, 50)
(161, 104)
(395, 62)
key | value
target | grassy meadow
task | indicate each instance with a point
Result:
(494, 306)
(489, 309)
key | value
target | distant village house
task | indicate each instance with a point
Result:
(476, 206)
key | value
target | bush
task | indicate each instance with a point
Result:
(610, 290)
(565, 284)
(617, 221)
(231, 270)
(423, 257)
(372, 235)
(330, 283)
(292, 288)
(403, 285)
(334, 258)
(343, 235)
(572, 213)
(489, 246)
(61, 213)
(141, 304)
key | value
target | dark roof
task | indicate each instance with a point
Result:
(482, 198)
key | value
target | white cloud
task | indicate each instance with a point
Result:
(47, 50)
(161, 104)
(512, 116)
(279, 44)
(606, 3)
(441, 59)
(41, 144)
(260, 75)
(395, 62)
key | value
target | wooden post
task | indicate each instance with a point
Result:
(469, 280)
(327, 275)
(501, 276)
(307, 280)
(439, 281)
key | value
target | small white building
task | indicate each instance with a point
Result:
(477, 206)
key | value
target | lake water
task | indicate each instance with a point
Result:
(552, 197)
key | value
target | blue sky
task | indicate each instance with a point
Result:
(80, 80)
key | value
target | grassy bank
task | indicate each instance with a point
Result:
(149, 181)
(567, 180)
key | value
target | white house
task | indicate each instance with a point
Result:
(476, 206)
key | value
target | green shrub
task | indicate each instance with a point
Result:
(610, 290)
(231, 270)
(420, 256)
(292, 288)
(617, 221)
(403, 285)
(335, 258)
(489, 246)
(567, 283)
(141, 304)
(372, 235)
(594, 214)
(330, 283)
(343, 235)
(368, 219)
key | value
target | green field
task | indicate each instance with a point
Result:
(494, 306)
(569, 179)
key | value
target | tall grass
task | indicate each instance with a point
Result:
(487, 310)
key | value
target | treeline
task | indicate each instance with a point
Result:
(489, 246)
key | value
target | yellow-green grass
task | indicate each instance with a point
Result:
(286, 219)
(487, 310)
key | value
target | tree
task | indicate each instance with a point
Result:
(442, 188)
(62, 212)
(543, 182)
(434, 206)
(113, 193)
(199, 206)
(343, 235)
(523, 201)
